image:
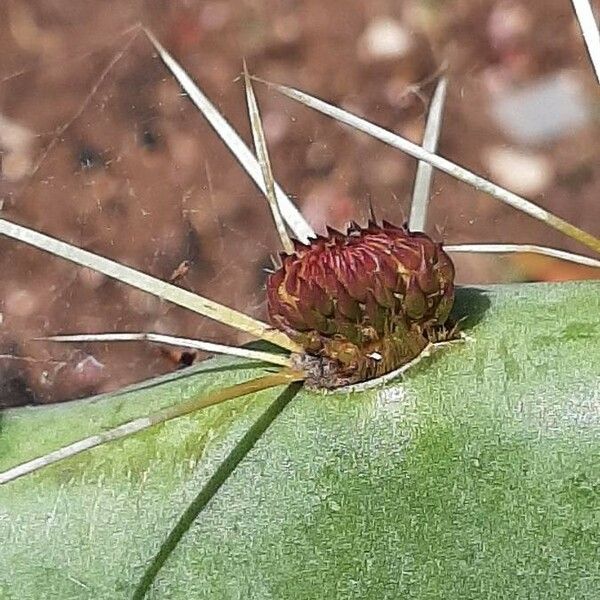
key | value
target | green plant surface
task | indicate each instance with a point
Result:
(475, 476)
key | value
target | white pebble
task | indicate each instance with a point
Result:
(385, 38)
(522, 172)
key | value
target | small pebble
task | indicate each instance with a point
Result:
(16, 143)
(384, 39)
(21, 303)
(541, 111)
(522, 172)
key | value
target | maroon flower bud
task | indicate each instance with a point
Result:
(361, 304)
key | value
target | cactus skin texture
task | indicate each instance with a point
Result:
(362, 303)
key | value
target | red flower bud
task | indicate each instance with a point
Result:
(361, 303)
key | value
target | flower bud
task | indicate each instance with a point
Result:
(361, 304)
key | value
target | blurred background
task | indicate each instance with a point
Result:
(99, 147)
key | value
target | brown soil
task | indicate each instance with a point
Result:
(115, 159)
